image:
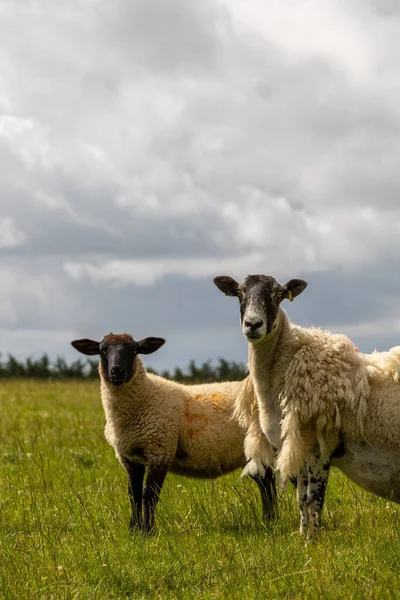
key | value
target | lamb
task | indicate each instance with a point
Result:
(159, 425)
(320, 400)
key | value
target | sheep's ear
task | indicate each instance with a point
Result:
(227, 285)
(89, 347)
(293, 288)
(149, 345)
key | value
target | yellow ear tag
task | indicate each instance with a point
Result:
(290, 296)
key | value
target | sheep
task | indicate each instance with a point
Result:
(321, 401)
(157, 425)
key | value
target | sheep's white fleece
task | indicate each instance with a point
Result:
(257, 449)
(189, 428)
(330, 386)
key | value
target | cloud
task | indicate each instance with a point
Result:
(165, 36)
(156, 145)
(10, 235)
(144, 273)
(35, 343)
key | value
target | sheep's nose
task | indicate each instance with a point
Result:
(116, 371)
(253, 325)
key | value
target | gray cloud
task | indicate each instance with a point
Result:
(146, 147)
(162, 36)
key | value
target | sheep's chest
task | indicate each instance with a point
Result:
(270, 415)
(127, 438)
(137, 455)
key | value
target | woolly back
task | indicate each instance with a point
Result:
(326, 375)
(382, 365)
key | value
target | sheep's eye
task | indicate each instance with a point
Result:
(103, 353)
(279, 294)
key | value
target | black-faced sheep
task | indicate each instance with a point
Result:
(321, 401)
(159, 425)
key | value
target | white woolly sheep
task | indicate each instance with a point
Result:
(159, 425)
(337, 405)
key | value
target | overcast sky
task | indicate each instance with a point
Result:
(147, 146)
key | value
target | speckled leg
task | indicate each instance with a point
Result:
(267, 487)
(135, 488)
(318, 473)
(154, 482)
(302, 486)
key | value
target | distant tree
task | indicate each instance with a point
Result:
(77, 369)
(194, 372)
(93, 369)
(223, 370)
(14, 368)
(177, 376)
(230, 371)
(3, 370)
(206, 372)
(61, 368)
(43, 368)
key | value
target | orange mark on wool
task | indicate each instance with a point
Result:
(197, 421)
(188, 414)
(218, 401)
(214, 399)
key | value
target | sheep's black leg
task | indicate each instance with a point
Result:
(135, 488)
(267, 487)
(154, 482)
(318, 474)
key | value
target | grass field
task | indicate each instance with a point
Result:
(64, 515)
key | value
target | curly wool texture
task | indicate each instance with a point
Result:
(189, 428)
(257, 449)
(386, 364)
(329, 385)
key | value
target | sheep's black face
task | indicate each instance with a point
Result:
(259, 297)
(118, 353)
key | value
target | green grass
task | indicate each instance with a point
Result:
(64, 515)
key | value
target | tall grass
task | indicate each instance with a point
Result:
(64, 515)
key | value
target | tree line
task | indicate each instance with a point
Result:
(44, 368)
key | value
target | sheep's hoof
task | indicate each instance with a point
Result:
(303, 531)
(312, 537)
(147, 533)
(270, 516)
(135, 524)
